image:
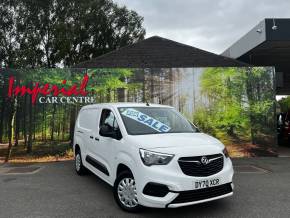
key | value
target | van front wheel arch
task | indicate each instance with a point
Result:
(125, 192)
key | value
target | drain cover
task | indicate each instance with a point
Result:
(249, 169)
(22, 170)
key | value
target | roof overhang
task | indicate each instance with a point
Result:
(267, 44)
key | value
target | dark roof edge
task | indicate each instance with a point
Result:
(108, 53)
(82, 64)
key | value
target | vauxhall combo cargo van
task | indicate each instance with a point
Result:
(151, 155)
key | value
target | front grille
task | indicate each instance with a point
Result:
(202, 194)
(193, 166)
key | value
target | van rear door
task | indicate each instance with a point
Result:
(87, 123)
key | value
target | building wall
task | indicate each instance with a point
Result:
(236, 105)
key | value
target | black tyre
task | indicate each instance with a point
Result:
(79, 167)
(125, 192)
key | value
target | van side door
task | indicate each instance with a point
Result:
(109, 138)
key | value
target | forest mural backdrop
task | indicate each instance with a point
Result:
(38, 107)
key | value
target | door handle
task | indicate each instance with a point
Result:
(91, 137)
(97, 139)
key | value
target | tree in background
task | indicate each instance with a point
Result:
(239, 103)
(51, 33)
(224, 91)
(53, 122)
(284, 104)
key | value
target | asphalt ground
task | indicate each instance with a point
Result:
(55, 190)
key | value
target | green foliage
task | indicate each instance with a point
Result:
(106, 82)
(284, 104)
(238, 100)
(50, 33)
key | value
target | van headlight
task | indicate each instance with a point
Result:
(150, 158)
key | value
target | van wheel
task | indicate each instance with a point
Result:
(79, 167)
(125, 192)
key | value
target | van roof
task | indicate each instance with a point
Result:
(124, 104)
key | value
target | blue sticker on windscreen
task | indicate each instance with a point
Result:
(146, 120)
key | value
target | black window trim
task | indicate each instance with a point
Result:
(112, 110)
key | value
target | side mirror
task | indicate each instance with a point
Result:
(106, 131)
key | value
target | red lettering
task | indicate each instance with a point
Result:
(10, 89)
(47, 89)
(84, 85)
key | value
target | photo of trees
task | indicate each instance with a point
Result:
(236, 105)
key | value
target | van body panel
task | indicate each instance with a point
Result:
(102, 155)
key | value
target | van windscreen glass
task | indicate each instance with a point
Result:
(154, 120)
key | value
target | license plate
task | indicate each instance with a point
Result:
(206, 183)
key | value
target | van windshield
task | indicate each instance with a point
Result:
(154, 120)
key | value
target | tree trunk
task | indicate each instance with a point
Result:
(160, 82)
(42, 123)
(10, 128)
(108, 95)
(17, 121)
(52, 123)
(249, 90)
(34, 121)
(24, 121)
(171, 90)
(59, 125)
(30, 132)
(63, 122)
(144, 86)
(152, 86)
(2, 115)
(45, 125)
(72, 123)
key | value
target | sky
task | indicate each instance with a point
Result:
(212, 25)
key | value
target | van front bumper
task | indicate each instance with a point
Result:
(173, 205)
(202, 195)
(181, 190)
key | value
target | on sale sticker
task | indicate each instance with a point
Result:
(146, 120)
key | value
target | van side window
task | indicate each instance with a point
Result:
(88, 119)
(108, 118)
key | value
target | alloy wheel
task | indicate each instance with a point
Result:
(78, 162)
(127, 192)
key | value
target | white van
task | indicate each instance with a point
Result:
(151, 155)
